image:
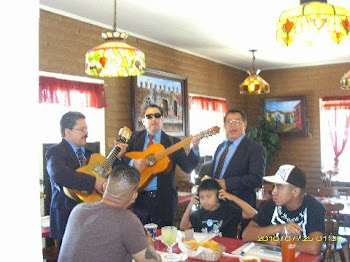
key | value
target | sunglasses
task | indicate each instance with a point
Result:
(156, 115)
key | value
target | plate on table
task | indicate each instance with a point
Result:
(199, 237)
(178, 257)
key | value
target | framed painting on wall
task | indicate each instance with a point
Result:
(166, 90)
(290, 112)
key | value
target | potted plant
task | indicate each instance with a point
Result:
(268, 135)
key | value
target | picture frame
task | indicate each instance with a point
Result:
(289, 111)
(167, 90)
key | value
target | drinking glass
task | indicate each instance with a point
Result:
(168, 236)
(288, 244)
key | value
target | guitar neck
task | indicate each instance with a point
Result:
(111, 158)
(173, 148)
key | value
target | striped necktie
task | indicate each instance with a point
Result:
(222, 160)
(150, 141)
(80, 156)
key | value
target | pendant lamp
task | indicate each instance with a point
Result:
(314, 23)
(254, 84)
(114, 58)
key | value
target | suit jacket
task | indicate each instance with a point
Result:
(245, 170)
(61, 165)
(166, 190)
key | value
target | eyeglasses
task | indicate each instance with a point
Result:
(156, 115)
(81, 129)
(234, 122)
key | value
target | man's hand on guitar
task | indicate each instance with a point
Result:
(122, 147)
(195, 141)
(140, 164)
(100, 185)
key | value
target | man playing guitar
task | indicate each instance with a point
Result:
(157, 203)
(62, 161)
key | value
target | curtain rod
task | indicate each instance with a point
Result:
(72, 77)
(212, 97)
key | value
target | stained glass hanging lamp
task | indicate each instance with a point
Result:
(254, 84)
(314, 23)
(114, 58)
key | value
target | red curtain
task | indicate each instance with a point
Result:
(335, 104)
(71, 93)
(210, 104)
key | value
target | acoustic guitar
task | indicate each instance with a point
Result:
(98, 165)
(157, 157)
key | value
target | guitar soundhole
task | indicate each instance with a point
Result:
(151, 160)
(99, 170)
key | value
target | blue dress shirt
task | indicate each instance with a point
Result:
(230, 153)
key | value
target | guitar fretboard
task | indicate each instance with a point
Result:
(173, 148)
(186, 141)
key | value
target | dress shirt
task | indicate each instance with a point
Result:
(231, 152)
(74, 147)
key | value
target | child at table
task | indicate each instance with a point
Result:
(220, 212)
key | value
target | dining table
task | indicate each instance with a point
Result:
(230, 245)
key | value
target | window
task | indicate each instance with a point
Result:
(205, 113)
(335, 148)
(51, 113)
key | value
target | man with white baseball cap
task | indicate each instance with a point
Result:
(290, 209)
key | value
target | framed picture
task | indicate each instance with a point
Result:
(166, 90)
(289, 111)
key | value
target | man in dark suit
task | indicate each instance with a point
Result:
(62, 161)
(158, 202)
(239, 162)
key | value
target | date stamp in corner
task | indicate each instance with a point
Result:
(296, 238)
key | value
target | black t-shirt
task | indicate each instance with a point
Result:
(222, 222)
(309, 216)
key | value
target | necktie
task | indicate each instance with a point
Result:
(80, 156)
(222, 161)
(150, 141)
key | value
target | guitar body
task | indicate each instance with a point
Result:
(98, 166)
(154, 167)
(92, 168)
(157, 157)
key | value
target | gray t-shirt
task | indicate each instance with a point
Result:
(99, 232)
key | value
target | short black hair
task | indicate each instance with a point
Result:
(69, 120)
(209, 184)
(234, 111)
(153, 105)
(126, 174)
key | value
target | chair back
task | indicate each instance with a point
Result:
(332, 207)
(328, 192)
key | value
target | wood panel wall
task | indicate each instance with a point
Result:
(313, 82)
(64, 42)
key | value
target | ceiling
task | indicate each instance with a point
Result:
(222, 31)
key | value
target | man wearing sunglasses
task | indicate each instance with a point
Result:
(158, 202)
(239, 162)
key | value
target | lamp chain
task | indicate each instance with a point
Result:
(115, 16)
(253, 51)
